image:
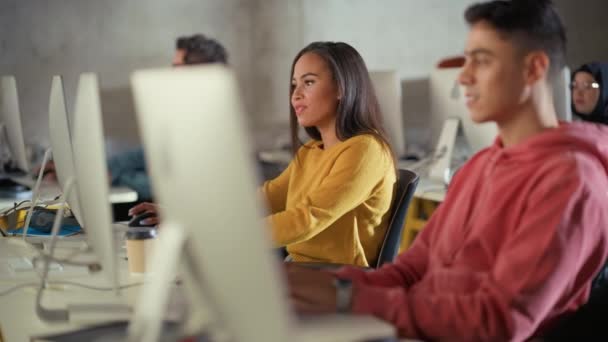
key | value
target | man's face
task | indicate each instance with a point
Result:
(493, 75)
(179, 57)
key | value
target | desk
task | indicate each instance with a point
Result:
(429, 194)
(431, 190)
(18, 319)
(50, 190)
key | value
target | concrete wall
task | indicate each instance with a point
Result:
(40, 38)
(587, 29)
(411, 36)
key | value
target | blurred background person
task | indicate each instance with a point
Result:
(590, 92)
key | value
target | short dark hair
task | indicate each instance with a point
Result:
(358, 110)
(531, 24)
(200, 49)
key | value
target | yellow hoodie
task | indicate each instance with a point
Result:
(333, 205)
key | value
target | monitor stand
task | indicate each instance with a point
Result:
(442, 157)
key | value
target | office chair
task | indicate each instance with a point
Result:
(406, 186)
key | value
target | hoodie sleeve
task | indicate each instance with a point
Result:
(524, 285)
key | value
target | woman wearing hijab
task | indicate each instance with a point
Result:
(590, 92)
(590, 103)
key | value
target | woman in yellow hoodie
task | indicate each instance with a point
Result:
(332, 202)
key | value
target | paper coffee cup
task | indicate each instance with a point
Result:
(140, 242)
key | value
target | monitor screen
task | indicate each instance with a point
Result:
(61, 144)
(197, 149)
(91, 173)
(10, 119)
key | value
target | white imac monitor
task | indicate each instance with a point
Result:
(212, 221)
(448, 101)
(61, 145)
(451, 123)
(91, 173)
(88, 175)
(562, 96)
(198, 110)
(388, 91)
(10, 120)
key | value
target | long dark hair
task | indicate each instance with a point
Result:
(358, 110)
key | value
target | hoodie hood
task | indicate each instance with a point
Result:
(600, 74)
(590, 138)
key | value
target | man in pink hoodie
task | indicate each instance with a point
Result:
(524, 226)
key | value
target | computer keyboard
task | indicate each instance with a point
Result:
(23, 264)
(20, 264)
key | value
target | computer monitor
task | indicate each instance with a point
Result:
(61, 146)
(212, 222)
(90, 182)
(91, 173)
(198, 110)
(10, 120)
(562, 97)
(447, 102)
(457, 136)
(388, 91)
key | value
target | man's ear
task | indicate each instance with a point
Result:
(537, 65)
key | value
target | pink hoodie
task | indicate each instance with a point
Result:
(522, 232)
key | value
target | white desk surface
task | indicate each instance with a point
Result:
(50, 190)
(430, 190)
(18, 320)
(427, 189)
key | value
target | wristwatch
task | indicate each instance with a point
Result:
(344, 294)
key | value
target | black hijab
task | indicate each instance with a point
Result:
(600, 74)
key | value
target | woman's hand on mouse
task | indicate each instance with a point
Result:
(49, 171)
(146, 207)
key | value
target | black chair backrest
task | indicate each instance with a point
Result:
(406, 186)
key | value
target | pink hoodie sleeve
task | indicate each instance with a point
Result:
(523, 288)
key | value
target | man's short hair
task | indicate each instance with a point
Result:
(199, 50)
(531, 24)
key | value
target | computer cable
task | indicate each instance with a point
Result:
(67, 283)
(36, 193)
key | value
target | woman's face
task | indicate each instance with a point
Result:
(314, 93)
(585, 92)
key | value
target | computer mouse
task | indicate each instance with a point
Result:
(136, 220)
